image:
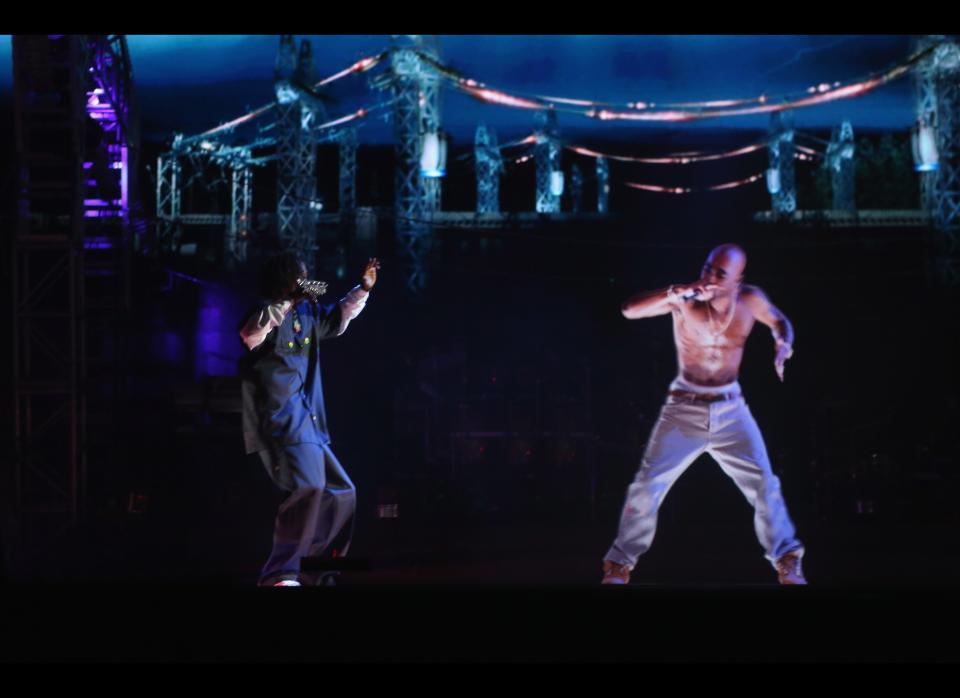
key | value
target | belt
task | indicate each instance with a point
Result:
(703, 397)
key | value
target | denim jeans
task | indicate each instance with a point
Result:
(321, 504)
(685, 429)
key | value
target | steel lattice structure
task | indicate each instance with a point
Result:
(241, 215)
(489, 166)
(186, 163)
(926, 109)
(348, 171)
(784, 201)
(297, 114)
(576, 188)
(430, 115)
(603, 185)
(169, 189)
(947, 70)
(77, 146)
(840, 160)
(547, 156)
(416, 111)
(937, 102)
(946, 213)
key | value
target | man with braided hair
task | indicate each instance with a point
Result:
(284, 419)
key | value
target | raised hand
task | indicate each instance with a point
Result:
(369, 276)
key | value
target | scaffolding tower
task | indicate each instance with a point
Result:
(603, 185)
(784, 196)
(547, 156)
(416, 112)
(926, 109)
(77, 147)
(348, 171)
(489, 166)
(298, 112)
(840, 160)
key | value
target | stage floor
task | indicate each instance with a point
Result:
(639, 623)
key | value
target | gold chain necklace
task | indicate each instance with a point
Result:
(733, 311)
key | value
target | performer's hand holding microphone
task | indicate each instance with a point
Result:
(305, 288)
(701, 290)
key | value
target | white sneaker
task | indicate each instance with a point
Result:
(288, 583)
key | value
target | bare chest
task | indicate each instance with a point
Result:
(698, 325)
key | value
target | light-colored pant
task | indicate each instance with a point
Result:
(727, 431)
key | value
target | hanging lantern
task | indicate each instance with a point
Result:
(433, 157)
(556, 183)
(773, 180)
(923, 140)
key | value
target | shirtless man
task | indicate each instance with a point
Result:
(705, 411)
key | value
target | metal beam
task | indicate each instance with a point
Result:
(348, 170)
(547, 156)
(840, 160)
(489, 166)
(784, 200)
(603, 185)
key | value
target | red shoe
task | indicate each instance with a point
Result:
(789, 570)
(615, 573)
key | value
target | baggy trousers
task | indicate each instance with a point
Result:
(319, 508)
(729, 433)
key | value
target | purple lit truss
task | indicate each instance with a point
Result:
(107, 176)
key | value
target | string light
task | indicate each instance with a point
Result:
(359, 114)
(497, 97)
(690, 190)
(681, 111)
(673, 159)
(522, 159)
(230, 125)
(358, 67)
(831, 95)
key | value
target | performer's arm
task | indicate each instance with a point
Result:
(354, 302)
(649, 304)
(771, 316)
(661, 301)
(256, 329)
(331, 320)
(351, 305)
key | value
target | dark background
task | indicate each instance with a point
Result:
(519, 330)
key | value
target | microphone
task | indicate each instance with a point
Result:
(314, 289)
(691, 294)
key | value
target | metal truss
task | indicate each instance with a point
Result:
(926, 108)
(411, 225)
(840, 160)
(241, 210)
(297, 114)
(348, 170)
(77, 145)
(603, 185)
(946, 212)
(169, 183)
(489, 166)
(784, 201)
(576, 188)
(547, 156)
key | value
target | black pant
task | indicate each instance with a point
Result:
(321, 504)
